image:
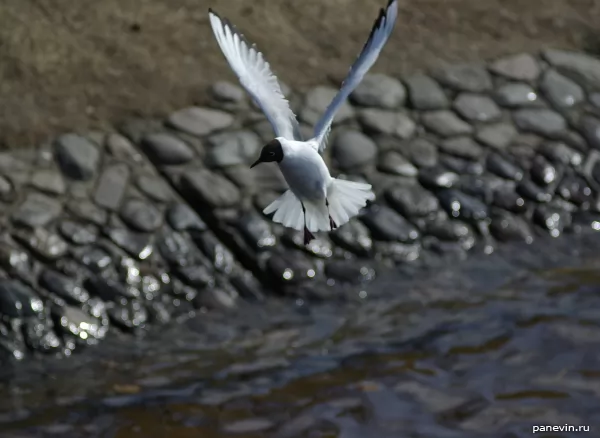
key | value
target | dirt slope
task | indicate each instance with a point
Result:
(82, 64)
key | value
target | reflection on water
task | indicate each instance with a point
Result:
(438, 362)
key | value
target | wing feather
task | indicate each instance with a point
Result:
(254, 73)
(382, 28)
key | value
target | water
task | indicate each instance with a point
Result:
(487, 350)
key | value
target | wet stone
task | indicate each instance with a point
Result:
(425, 93)
(210, 188)
(437, 178)
(129, 316)
(77, 156)
(141, 215)
(233, 148)
(576, 190)
(77, 233)
(256, 231)
(379, 91)
(500, 166)
(290, 267)
(552, 219)
(394, 163)
(465, 77)
(379, 121)
(562, 92)
(94, 258)
(176, 248)
(447, 230)
(226, 91)
(346, 271)
(40, 337)
(542, 171)
(352, 149)
(42, 243)
(78, 323)
(316, 102)
(196, 276)
(498, 135)
(583, 68)
(463, 146)
(463, 206)
(108, 289)
(216, 298)
(508, 228)
(65, 287)
(387, 225)
(199, 121)
(560, 153)
(421, 152)
(529, 190)
(522, 67)
(247, 286)
(7, 192)
(514, 95)
(461, 166)
(481, 187)
(181, 217)
(154, 187)
(445, 123)
(594, 99)
(16, 262)
(220, 257)
(166, 149)
(540, 121)
(353, 236)
(136, 244)
(37, 211)
(412, 201)
(48, 181)
(590, 128)
(476, 107)
(18, 300)
(111, 186)
(87, 211)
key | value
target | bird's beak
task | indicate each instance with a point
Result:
(255, 163)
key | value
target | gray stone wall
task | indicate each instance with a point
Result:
(120, 230)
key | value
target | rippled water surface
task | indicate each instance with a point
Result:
(490, 355)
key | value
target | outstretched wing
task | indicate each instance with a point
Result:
(379, 35)
(256, 77)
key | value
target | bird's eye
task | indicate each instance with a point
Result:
(272, 154)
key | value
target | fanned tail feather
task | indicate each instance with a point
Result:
(347, 198)
(288, 211)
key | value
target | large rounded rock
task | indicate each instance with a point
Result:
(465, 77)
(316, 102)
(141, 215)
(166, 149)
(233, 148)
(380, 91)
(522, 67)
(425, 93)
(77, 156)
(561, 91)
(200, 121)
(540, 121)
(353, 149)
(210, 188)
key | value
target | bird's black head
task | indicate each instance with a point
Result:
(272, 151)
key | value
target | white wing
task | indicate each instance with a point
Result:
(382, 28)
(256, 77)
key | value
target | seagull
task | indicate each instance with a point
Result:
(315, 201)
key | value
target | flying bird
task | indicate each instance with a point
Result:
(315, 200)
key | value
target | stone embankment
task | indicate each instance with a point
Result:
(121, 230)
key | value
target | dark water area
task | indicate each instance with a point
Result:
(488, 349)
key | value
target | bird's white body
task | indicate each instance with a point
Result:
(304, 170)
(315, 201)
